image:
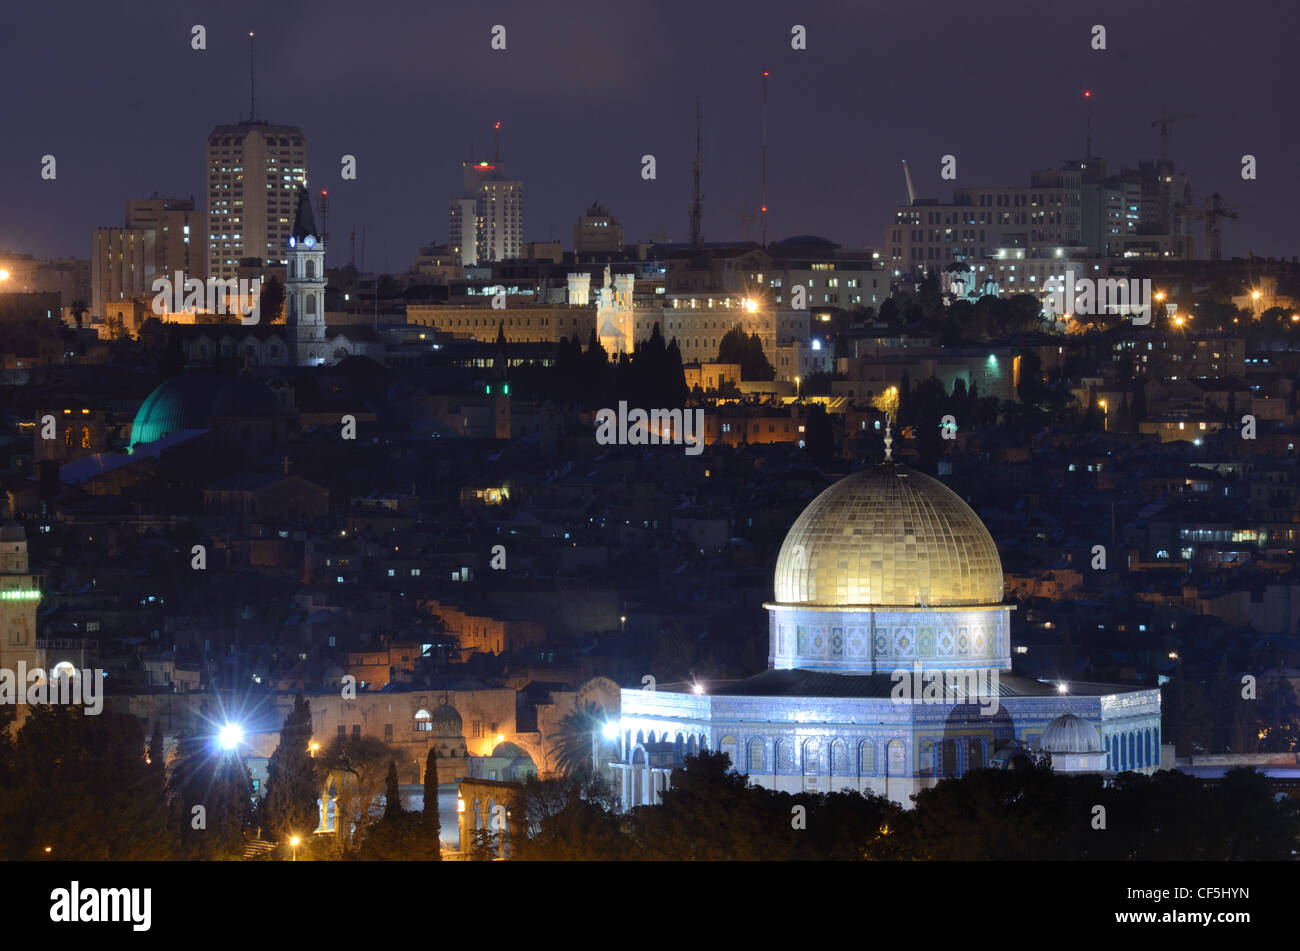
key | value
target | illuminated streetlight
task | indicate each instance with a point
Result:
(4, 275)
(697, 689)
(230, 736)
(294, 842)
(1062, 688)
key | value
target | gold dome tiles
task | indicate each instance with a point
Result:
(888, 536)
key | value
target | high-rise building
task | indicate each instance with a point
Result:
(162, 236)
(254, 172)
(123, 264)
(486, 223)
(464, 229)
(597, 230)
(180, 234)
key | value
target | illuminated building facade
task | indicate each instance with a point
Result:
(886, 580)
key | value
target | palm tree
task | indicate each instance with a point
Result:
(78, 308)
(573, 740)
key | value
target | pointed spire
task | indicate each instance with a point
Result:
(305, 223)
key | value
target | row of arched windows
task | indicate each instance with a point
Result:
(1136, 749)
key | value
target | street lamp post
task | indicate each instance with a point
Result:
(294, 842)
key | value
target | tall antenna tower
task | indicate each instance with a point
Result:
(1087, 109)
(325, 216)
(763, 206)
(697, 198)
(252, 82)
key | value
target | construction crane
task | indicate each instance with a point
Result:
(1212, 214)
(1163, 122)
(907, 177)
(746, 219)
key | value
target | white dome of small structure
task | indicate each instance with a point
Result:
(1070, 734)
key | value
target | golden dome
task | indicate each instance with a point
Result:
(888, 536)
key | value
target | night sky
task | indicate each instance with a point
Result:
(584, 88)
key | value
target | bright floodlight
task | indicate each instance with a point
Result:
(230, 736)
(610, 730)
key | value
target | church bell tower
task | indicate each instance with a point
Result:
(304, 289)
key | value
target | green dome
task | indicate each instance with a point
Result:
(183, 402)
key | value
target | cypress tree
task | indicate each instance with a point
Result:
(432, 822)
(392, 795)
(157, 750)
(291, 789)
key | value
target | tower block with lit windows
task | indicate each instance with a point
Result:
(19, 595)
(304, 289)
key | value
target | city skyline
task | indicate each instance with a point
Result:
(576, 135)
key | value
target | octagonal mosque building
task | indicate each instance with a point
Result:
(889, 663)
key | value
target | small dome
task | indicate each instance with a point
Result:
(1070, 734)
(888, 536)
(183, 402)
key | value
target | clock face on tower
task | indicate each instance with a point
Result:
(309, 241)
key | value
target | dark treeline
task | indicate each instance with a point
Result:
(651, 376)
(711, 813)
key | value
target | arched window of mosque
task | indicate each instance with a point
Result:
(757, 762)
(977, 754)
(867, 759)
(729, 745)
(812, 758)
(840, 758)
(85, 437)
(67, 436)
(784, 756)
(422, 721)
(948, 758)
(896, 756)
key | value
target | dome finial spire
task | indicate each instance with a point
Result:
(889, 439)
